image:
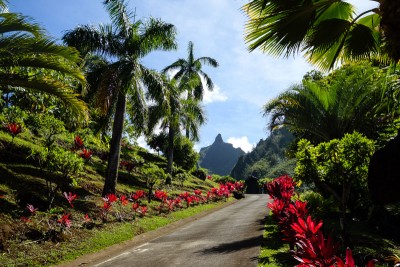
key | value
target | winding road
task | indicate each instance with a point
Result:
(230, 236)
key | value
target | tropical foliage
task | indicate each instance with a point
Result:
(353, 97)
(33, 62)
(338, 168)
(190, 75)
(326, 32)
(125, 42)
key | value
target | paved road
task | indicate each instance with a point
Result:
(228, 237)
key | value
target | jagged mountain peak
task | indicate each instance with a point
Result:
(218, 139)
(220, 157)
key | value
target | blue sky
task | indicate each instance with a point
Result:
(244, 81)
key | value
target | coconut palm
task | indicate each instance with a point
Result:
(348, 100)
(326, 31)
(125, 42)
(189, 73)
(32, 61)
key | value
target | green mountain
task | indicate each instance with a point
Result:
(267, 160)
(220, 157)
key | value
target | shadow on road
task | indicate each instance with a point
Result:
(234, 246)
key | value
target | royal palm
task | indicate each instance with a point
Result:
(189, 73)
(125, 42)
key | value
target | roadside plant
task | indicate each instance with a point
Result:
(57, 162)
(153, 175)
(65, 221)
(339, 167)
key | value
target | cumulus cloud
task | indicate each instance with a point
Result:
(216, 95)
(241, 142)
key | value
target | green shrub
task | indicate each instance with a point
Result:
(222, 179)
(200, 173)
(317, 204)
(181, 177)
(47, 126)
(153, 175)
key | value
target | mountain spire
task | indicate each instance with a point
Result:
(218, 139)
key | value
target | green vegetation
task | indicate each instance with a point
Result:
(267, 159)
(327, 32)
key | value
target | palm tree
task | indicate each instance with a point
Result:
(125, 43)
(32, 61)
(189, 72)
(167, 109)
(172, 109)
(326, 31)
(348, 100)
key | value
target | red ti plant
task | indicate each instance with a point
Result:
(160, 195)
(31, 209)
(306, 229)
(143, 210)
(135, 206)
(197, 192)
(281, 187)
(14, 129)
(86, 219)
(78, 143)
(350, 261)
(65, 220)
(139, 194)
(70, 197)
(86, 154)
(110, 198)
(316, 251)
(291, 214)
(124, 200)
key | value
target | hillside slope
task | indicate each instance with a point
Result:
(267, 159)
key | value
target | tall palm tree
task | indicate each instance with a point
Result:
(125, 42)
(189, 72)
(171, 109)
(167, 109)
(32, 61)
(326, 31)
(341, 103)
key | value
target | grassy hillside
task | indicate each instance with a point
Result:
(64, 230)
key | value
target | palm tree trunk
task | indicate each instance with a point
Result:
(187, 131)
(115, 146)
(171, 135)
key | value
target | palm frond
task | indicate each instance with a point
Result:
(49, 86)
(120, 15)
(87, 38)
(157, 35)
(13, 22)
(208, 61)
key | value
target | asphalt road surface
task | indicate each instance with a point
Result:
(228, 237)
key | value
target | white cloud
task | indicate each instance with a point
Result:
(241, 142)
(216, 95)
